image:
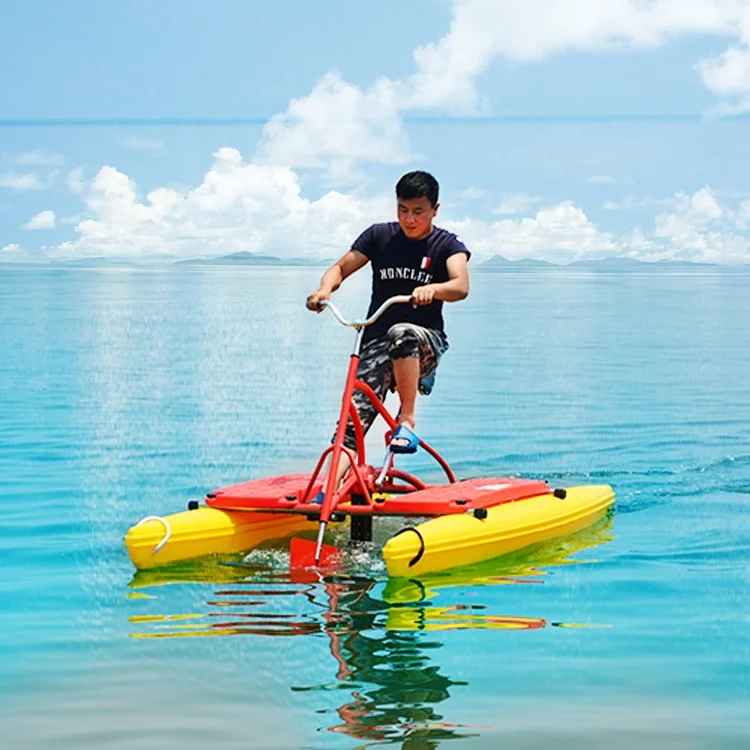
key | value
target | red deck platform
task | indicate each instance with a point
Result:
(284, 494)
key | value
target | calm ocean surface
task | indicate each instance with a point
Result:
(127, 392)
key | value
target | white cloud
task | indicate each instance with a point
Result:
(43, 220)
(518, 203)
(558, 234)
(238, 206)
(718, 247)
(693, 212)
(638, 246)
(13, 253)
(142, 144)
(699, 229)
(74, 180)
(601, 178)
(482, 30)
(21, 181)
(336, 126)
(260, 208)
(728, 74)
(40, 159)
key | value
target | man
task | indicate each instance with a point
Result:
(403, 348)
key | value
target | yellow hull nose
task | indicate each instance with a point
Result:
(457, 540)
(204, 531)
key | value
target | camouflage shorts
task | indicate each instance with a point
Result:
(376, 366)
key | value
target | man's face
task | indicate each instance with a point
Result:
(415, 217)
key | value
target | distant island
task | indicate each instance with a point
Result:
(245, 258)
(496, 264)
(95, 262)
(234, 259)
(499, 263)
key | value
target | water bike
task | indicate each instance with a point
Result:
(468, 521)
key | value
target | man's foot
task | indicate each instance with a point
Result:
(404, 440)
(318, 499)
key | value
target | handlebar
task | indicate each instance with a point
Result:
(358, 324)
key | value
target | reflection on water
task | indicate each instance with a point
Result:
(375, 629)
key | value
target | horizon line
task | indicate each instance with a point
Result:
(415, 119)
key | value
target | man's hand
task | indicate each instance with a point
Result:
(314, 300)
(422, 295)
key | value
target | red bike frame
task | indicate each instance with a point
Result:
(360, 480)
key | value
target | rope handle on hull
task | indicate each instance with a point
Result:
(167, 527)
(419, 554)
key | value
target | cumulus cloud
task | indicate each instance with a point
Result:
(635, 244)
(339, 125)
(21, 181)
(43, 220)
(558, 234)
(697, 210)
(482, 30)
(13, 253)
(699, 229)
(336, 126)
(242, 206)
(238, 206)
(728, 74)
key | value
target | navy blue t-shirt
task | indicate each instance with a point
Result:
(398, 266)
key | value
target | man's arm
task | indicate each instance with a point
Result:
(453, 290)
(334, 276)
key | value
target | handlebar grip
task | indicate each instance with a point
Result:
(372, 318)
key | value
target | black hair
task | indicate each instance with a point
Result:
(418, 185)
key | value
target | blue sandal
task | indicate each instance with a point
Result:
(318, 499)
(403, 440)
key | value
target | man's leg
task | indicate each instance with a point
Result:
(375, 369)
(406, 372)
(415, 352)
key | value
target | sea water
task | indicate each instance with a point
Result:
(129, 391)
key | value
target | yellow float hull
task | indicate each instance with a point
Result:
(439, 544)
(457, 540)
(205, 531)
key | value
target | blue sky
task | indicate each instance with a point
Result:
(561, 130)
